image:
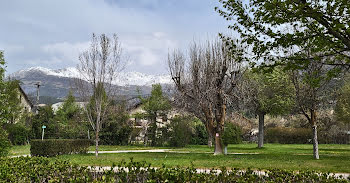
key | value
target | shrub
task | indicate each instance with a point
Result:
(200, 135)
(232, 134)
(288, 135)
(40, 169)
(180, 131)
(53, 147)
(4, 143)
(115, 134)
(17, 134)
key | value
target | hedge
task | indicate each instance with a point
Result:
(54, 147)
(40, 169)
(284, 135)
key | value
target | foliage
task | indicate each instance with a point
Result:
(232, 134)
(272, 28)
(3, 95)
(342, 109)
(45, 117)
(13, 102)
(288, 135)
(4, 143)
(200, 135)
(116, 129)
(68, 108)
(269, 93)
(18, 134)
(10, 109)
(180, 131)
(70, 120)
(54, 147)
(46, 170)
(40, 169)
(157, 104)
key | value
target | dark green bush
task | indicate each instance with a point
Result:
(39, 169)
(54, 147)
(180, 131)
(232, 134)
(284, 135)
(17, 134)
(200, 135)
(115, 134)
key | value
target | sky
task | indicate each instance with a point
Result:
(52, 33)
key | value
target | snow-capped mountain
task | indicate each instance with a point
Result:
(56, 84)
(123, 79)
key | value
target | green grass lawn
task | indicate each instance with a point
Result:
(333, 157)
(20, 150)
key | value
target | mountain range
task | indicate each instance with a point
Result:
(55, 84)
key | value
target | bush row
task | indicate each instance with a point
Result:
(53, 147)
(284, 135)
(40, 169)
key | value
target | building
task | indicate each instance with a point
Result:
(24, 101)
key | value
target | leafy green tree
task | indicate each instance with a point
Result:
(116, 130)
(269, 93)
(15, 109)
(342, 109)
(68, 109)
(271, 28)
(3, 95)
(157, 104)
(312, 91)
(45, 117)
(69, 118)
(4, 109)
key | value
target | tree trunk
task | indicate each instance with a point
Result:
(314, 134)
(218, 145)
(96, 143)
(210, 140)
(145, 138)
(315, 142)
(261, 129)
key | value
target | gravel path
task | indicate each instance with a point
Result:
(155, 151)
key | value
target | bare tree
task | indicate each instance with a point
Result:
(99, 67)
(207, 80)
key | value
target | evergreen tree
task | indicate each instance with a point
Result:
(157, 104)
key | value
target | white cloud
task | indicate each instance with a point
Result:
(65, 52)
(150, 49)
(53, 33)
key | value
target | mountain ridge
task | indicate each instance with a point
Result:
(56, 83)
(123, 79)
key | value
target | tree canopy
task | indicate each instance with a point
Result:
(272, 28)
(269, 93)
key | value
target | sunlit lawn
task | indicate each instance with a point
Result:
(20, 150)
(333, 157)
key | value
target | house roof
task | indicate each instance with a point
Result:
(25, 96)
